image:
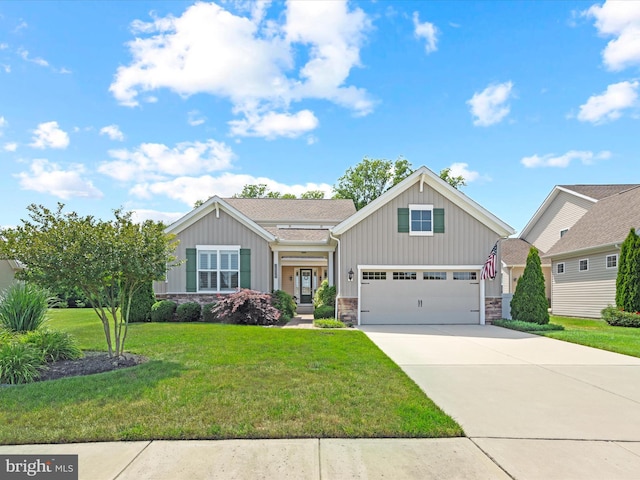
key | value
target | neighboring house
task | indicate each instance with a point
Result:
(585, 260)
(514, 260)
(413, 255)
(8, 269)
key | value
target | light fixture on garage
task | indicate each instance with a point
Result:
(350, 277)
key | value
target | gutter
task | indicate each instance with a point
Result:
(339, 292)
(569, 253)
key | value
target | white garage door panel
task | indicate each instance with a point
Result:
(419, 301)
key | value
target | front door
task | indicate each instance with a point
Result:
(306, 290)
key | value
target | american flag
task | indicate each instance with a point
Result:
(489, 267)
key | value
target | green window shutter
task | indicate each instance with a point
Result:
(192, 267)
(438, 220)
(245, 268)
(403, 220)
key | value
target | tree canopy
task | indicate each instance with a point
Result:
(107, 260)
(261, 190)
(455, 182)
(371, 178)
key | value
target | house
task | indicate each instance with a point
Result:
(584, 262)
(8, 269)
(413, 255)
(514, 260)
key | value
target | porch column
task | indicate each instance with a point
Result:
(330, 269)
(277, 271)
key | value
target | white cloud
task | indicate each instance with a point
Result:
(6, 68)
(460, 169)
(273, 125)
(490, 106)
(10, 147)
(49, 135)
(563, 161)
(619, 19)
(254, 65)
(37, 60)
(113, 132)
(48, 177)
(140, 215)
(195, 118)
(4, 46)
(426, 30)
(156, 161)
(3, 123)
(191, 189)
(609, 105)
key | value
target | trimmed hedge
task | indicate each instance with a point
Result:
(163, 311)
(527, 326)
(188, 312)
(324, 311)
(328, 323)
(619, 318)
(207, 313)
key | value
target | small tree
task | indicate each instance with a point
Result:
(529, 302)
(109, 261)
(628, 279)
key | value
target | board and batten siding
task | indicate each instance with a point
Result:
(563, 212)
(583, 294)
(376, 241)
(225, 230)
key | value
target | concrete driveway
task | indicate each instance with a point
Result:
(538, 407)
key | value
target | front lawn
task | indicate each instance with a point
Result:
(211, 381)
(598, 334)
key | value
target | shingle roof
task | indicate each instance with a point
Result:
(598, 192)
(606, 223)
(315, 235)
(514, 251)
(291, 211)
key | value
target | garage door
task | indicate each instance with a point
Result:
(419, 297)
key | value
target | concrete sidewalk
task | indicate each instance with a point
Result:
(539, 408)
(297, 459)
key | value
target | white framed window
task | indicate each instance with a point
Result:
(465, 276)
(374, 275)
(612, 261)
(218, 268)
(420, 219)
(583, 265)
(560, 268)
(434, 275)
(405, 276)
(563, 231)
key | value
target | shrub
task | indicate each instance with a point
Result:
(325, 295)
(617, 317)
(207, 313)
(628, 278)
(529, 302)
(19, 363)
(527, 326)
(247, 307)
(163, 311)
(53, 345)
(324, 311)
(285, 304)
(141, 303)
(328, 323)
(71, 297)
(23, 307)
(188, 312)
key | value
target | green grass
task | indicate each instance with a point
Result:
(598, 334)
(223, 381)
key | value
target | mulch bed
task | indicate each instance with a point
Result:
(92, 362)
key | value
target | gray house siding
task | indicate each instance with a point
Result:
(7, 274)
(583, 293)
(224, 230)
(563, 212)
(376, 241)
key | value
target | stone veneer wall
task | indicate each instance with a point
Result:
(348, 309)
(492, 309)
(180, 298)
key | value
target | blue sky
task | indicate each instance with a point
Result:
(151, 106)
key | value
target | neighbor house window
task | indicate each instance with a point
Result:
(584, 265)
(374, 275)
(465, 275)
(420, 219)
(560, 268)
(405, 276)
(218, 269)
(562, 232)
(434, 275)
(612, 261)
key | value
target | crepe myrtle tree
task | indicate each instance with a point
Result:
(107, 260)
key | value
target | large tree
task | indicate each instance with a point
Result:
(529, 302)
(455, 182)
(628, 279)
(371, 178)
(108, 261)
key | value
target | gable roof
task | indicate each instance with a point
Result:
(592, 193)
(425, 176)
(514, 252)
(607, 223)
(291, 211)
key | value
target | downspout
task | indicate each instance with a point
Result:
(338, 276)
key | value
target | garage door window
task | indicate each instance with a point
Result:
(434, 275)
(465, 275)
(374, 275)
(405, 276)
